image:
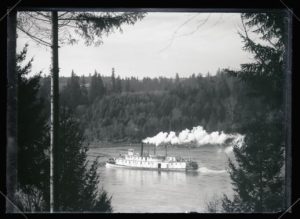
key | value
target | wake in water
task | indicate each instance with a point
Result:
(206, 170)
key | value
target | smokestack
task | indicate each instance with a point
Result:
(142, 148)
(166, 146)
(154, 149)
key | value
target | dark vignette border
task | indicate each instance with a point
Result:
(156, 5)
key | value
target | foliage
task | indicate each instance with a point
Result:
(78, 179)
(92, 25)
(214, 205)
(33, 142)
(77, 186)
(73, 25)
(31, 200)
(32, 131)
(257, 172)
(97, 88)
(132, 116)
(74, 93)
(148, 106)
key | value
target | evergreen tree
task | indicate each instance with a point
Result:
(84, 91)
(97, 88)
(77, 186)
(44, 92)
(88, 25)
(32, 134)
(72, 95)
(177, 79)
(113, 80)
(118, 85)
(127, 85)
(77, 179)
(257, 174)
(211, 102)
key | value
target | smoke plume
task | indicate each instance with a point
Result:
(196, 135)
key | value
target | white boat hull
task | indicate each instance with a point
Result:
(110, 165)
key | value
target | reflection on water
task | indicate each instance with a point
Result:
(153, 191)
(128, 176)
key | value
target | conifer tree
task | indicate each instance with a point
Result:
(32, 133)
(88, 25)
(118, 85)
(113, 80)
(84, 91)
(97, 88)
(72, 95)
(257, 173)
(78, 180)
(127, 85)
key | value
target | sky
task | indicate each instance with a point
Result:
(162, 44)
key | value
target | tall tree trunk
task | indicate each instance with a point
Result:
(54, 115)
(11, 168)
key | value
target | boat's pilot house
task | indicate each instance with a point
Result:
(130, 152)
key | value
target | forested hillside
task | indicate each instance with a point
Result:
(114, 109)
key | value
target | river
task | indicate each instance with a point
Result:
(140, 191)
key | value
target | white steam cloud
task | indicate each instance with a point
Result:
(196, 135)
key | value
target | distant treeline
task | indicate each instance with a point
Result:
(114, 109)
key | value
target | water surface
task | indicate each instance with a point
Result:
(154, 191)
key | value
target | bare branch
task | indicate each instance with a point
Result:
(64, 23)
(45, 16)
(198, 27)
(175, 32)
(69, 25)
(245, 29)
(63, 14)
(37, 18)
(38, 40)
